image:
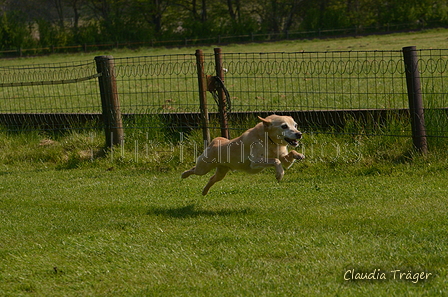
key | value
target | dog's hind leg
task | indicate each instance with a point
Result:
(219, 175)
(201, 168)
(187, 173)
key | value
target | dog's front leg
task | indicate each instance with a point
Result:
(290, 158)
(262, 163)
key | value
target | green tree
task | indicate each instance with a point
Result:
(279, 15)
(14, 31)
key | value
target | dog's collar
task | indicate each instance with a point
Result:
(271, 140)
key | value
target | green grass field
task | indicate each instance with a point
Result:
(426, 39)
(77, 224)
(137, 232)
(77, 221)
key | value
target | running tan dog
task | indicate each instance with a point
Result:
(256, 149)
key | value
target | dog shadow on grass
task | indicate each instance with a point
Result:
(192, 211)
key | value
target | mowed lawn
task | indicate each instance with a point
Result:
(135, 232)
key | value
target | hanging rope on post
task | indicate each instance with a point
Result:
(213, 84)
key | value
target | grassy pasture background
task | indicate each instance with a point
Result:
(77, 221)
(267, 76)
(426, 39)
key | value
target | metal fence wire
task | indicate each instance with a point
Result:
(49, 88)
(157, 84)
(48, 96)
(322, 89)
(316, 81)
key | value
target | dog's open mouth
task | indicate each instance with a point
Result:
(292, 142)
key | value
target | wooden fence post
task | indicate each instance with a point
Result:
(221, 97)
(109, 101)
(203, 96)
(415, 98)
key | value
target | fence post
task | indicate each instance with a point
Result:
(203, 96)
(221, 97)
(109, 101)
(415, 98)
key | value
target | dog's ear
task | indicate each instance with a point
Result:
(266, 123)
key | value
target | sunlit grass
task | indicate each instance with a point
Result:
(94, 231)
(78, 220)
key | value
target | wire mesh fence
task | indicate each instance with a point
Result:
(433, 65)
(48, 96)
(316, 81)
(323, 89)
(160, 84)
(49, 88)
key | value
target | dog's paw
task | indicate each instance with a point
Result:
(296, 156)
(299, 156)
(279, 175)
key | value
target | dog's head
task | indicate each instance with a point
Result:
(281, 129)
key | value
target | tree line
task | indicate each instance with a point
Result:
(43, 23)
